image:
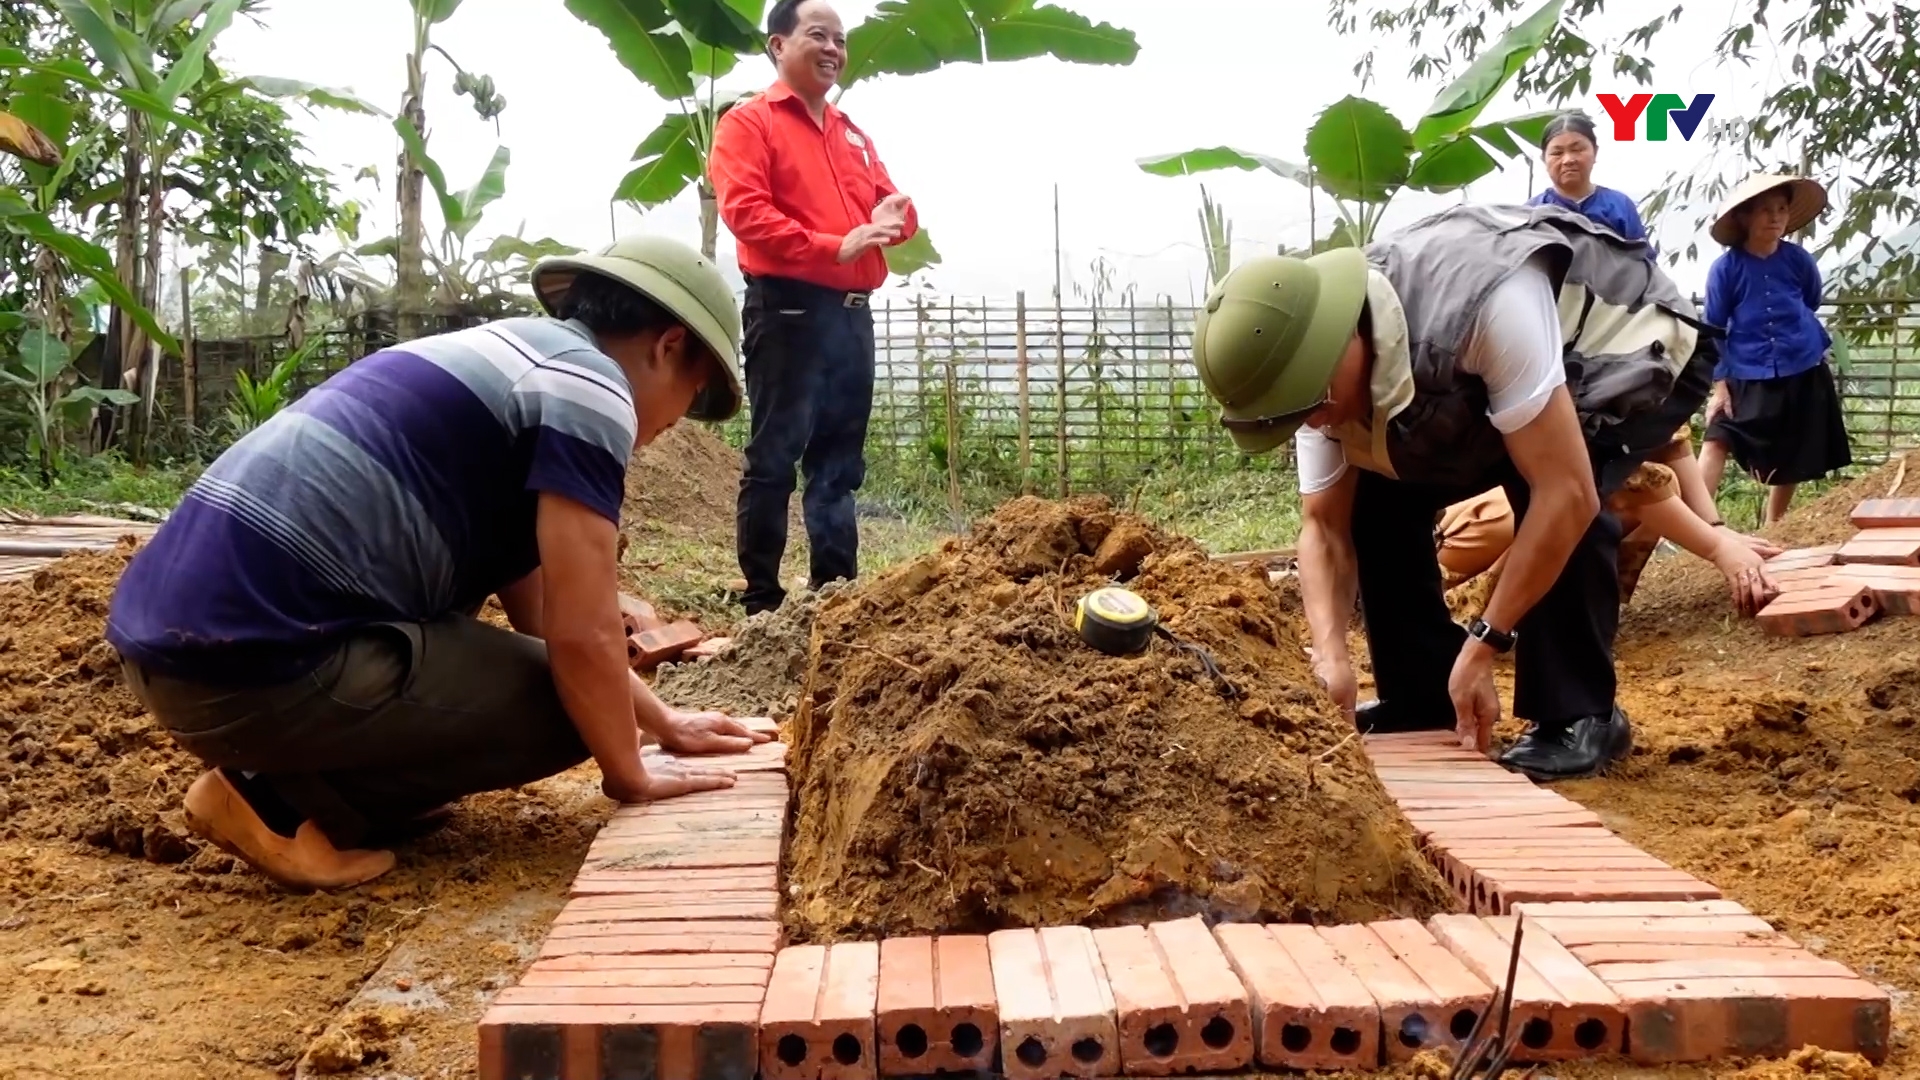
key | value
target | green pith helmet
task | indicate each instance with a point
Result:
(679, 279)
(1269, 337)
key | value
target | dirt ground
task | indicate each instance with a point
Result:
(1787, 772)
(965, 762)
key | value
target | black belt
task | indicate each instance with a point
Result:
(857, 299)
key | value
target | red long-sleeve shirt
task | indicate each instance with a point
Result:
(790, 190)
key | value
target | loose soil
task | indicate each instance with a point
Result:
(128, 946)
(965, 762)
(686, 479)
(761, 672)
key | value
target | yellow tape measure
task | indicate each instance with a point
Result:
(1115, 621)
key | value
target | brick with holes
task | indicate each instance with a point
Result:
(1180, 1007)
(817, 1023)
(1427, 997)
(1309, 1011)
(1561, 1011)
(1832, 609)
(936, 1011)
(1056, 1008)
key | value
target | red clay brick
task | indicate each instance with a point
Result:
(1829, 611)
(1895, 588)
(565, 931)
(1886, 514)
(1804, 557)
(637, 615)
(626, 993)
(686, 852)
(641, 938)
(762, 757)
(1481, 772)
(699, 881)
(704, 969)
(1309, 1011)
(728, 906)
(936, 1009)
(1575, 928)
(1415, 1013)
(1698, 1019)
(1541, 826)
(1056, 1008)
(1804, 578)
(1180, 1007)
(656, 647)
(1498, 890)
(1885, 547)
(818, 1020)
(667, 1042)
(1562, 811)
(1561, 1011)
(711, 647)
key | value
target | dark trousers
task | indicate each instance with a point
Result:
(400, 719)
(809, 361)
(1563, 660)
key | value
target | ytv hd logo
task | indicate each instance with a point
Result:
(1658, 107)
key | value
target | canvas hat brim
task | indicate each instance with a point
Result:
(1342, 275)
(1807, 197)
(716, 402)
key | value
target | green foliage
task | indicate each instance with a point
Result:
(42, 371)
(253, 403)
(912, 37)
(1836, 103)
(1362, 156)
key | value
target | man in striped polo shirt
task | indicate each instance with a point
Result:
(305, 621)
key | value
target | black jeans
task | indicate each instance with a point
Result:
(1563, 661)
(809, 361)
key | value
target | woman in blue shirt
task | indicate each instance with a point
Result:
(1568, 147)
(1774, 407)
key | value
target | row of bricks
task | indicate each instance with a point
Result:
(1622, 911)
(1660, 982)
(1498, 840)
(1840, 587)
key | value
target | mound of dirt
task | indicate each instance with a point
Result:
(83, 761)
(687, 479)
(760, 674)
(965, 762)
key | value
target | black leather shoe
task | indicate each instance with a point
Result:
(1381, 718)
(1572, 751)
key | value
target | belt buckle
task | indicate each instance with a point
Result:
(855, 300)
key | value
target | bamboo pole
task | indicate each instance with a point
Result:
(1026, 402)
(1059, 347)
(954, 504)
(189, 364)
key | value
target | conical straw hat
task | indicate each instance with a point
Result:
(1808, 199)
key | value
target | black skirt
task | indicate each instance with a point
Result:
(1785, 431)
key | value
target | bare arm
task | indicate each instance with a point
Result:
(1552, 456)
(1329, 572)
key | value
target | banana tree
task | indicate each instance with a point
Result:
(682, 50)
(43, 370)
(1362, 156)
(410, 280)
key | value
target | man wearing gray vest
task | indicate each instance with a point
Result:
(1519, 347)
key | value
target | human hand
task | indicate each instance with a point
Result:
(707, 733)
(1721, 401)
(665, 779)
(892, 211)
(865, 238)
(1746, 574)
(1476, 705)
(1335, 674)
(1760, 546)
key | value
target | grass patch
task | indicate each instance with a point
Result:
(99, 484)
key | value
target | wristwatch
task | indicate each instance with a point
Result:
(1497, 640)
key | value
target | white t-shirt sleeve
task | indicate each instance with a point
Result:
(1319, 459)
(1515, 349)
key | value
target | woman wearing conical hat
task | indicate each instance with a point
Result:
(1775, 407)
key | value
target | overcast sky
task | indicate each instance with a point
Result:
(980, 149)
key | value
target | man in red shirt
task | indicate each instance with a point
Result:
(810, 206)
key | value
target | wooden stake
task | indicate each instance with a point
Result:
(1026, 403)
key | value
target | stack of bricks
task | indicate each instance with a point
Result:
(1828, 590)
(1498, 840)
(651, 640)
(658, 965)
